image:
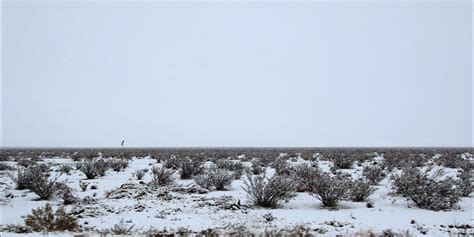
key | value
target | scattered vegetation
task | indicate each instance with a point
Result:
(331, 189)
(161, 176)
(360, 190)
(269, 192)
(427, 189)
(44, 219)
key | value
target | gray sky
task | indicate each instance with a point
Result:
(320, 73)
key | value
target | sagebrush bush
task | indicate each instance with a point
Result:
(306, 176)
(269, 192)
(331, 189)
(161, 176)
(235, 166)
(189, 167)
(40, 184)
(44, 219)
(172, 162)
(428, 190)
(5, 166)
(118, 164)
(342, 162)
(257, 166)
(20, 178)
(465, 183)
(360, 190)
(89, 168)
(93, 168)
(214, 178)
(67, 194)
(373, 173)
(139, 174)
(281, 166)
(65, 168)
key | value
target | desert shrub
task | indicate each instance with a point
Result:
(331, 189)
(464, 182)
(67, 194)
(450, 160)
(189, 167)
(172, 163)
(161, 176)
(118, 164)
(269, 192)
(360, 190)
(257, 166)
(26, 162)
(215, 177)
(89, 168)
(20, 178)
(39, 183)
(342, 162)
(394, 160)
(65, 168)
(122, 228)
(5, 166)
(203, 180)
(305, 175)
(93, 169)
(426, 189)
(18, 229)
(373, 173)
(281, 165)
(139, 174)
(236, 167)
(44, 219)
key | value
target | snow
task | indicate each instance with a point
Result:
(200, 211)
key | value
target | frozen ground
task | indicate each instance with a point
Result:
(171, 208)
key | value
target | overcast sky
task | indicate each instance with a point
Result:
(311, 73)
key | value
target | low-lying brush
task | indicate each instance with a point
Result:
(374, 174)
(161, 176)
(427, 189)
(331, 189)
(269, 192)
(214, 178)
(44, 219)
(360, 190)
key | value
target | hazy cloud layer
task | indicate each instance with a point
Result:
(363, 73)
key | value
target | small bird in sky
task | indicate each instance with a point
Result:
(123, 141)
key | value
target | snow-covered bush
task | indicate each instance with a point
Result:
(161, 176)
(465, 183)
(450, 160)
(214, 177)
(90, 168)
(139, 174)
(5, 166)
(172, 163)
(39, 183)
(257, 166)
(236, 167)
(342, 162)
(118, 164)
(189, 167)
(331, 189)
(67, 194)
(65, 168)
(305, 175)
(269, 192)
(281, 166)
(373, 173)
(44, 219)
(360, 190)
(427, 189)
(20, 178)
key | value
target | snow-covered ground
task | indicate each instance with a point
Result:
(167, 208)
